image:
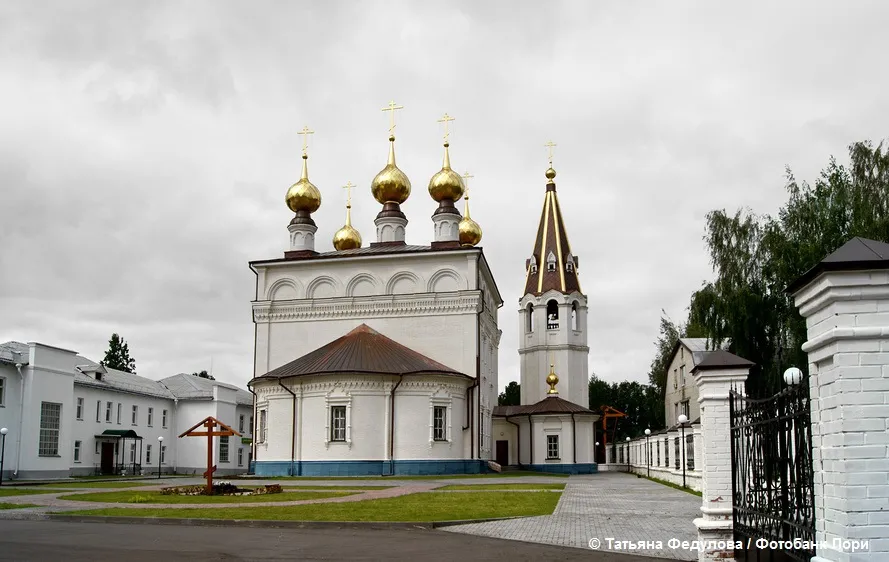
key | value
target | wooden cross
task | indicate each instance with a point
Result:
(305, 135)
(445, 119)
(550, 145)
(348, 187)
(224, 431)
(391, 109)
(466, 176)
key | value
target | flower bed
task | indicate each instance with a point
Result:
(221, 489)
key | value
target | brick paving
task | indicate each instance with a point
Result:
(602, 506)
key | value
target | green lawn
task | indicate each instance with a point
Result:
(15, 505)
(9, 492)
(99, 484)
(333, 487)
(529, 486)
(429, 506)
(156, 497)
(433, 477)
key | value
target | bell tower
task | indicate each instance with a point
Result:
(553, 310)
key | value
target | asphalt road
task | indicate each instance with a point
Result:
(54, 540)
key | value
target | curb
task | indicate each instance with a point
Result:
(263, 524)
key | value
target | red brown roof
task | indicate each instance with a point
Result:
(721, 359)
(363, 351)
(552, 239)
(549, 405)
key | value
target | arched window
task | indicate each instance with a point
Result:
(552, 315)
(574, 325)
(529, 318)
(533, 263)
(569, 263)
(551, 261)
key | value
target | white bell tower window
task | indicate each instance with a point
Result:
(533, 266)
(529, 318)
(552, 315)
(551, 261)
(569, 263)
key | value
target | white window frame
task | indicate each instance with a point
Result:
(240, 456)
(79, 408)
(119, 410)
(148, 454)
(150, 416)
(224, 446)
(241, 424)
(108, 408)
(337, 415)
(553, 439)
(135, 417)
(2, 391)
(163, 454)
(164, 419)
(77, 448)
(48, 437)
(98, 447)
(251, 425)
(440, 402)
(98, 410)
(328, 430)
(132, 453)
(263, 429)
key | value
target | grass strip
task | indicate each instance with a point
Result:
(530, 486)
(88, 485)
(16, 505)
(429, 506)
(512, 474)
(671, 485)
(157, 497)
(10, 492)
(335, 487)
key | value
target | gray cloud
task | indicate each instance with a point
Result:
(146, 148)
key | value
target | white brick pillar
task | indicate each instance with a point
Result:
(715, 376)
(846, 307)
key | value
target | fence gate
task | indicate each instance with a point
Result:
(772, 489)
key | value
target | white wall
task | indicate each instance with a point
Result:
(681, 389)
(664, 467)
(10, 412)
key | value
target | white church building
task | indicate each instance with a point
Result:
(67, 415)
(378, 359)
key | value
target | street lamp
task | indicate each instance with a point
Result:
(683, 419)
(628, 455)
(3, 432)
(596, 454)
(160, 448)
(793, 376)
(648, 450)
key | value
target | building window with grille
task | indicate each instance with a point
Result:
(261, 431)
(241, 423)
(240, 456)
(337, 423)
(223, 449)
(108, 407)
(135, 414)
(79, 404)
(552, 447)
(147, 454)
(690, 452)
(50, 422)
(164, 419)
(77, 451)
(150, 417)
(439, 416)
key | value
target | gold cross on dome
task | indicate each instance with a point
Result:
(348, 187)
(445, 119)
(391, 109)
(466, 177)
(305, 135)
(550, 145)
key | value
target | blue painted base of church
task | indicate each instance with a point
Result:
(579, 468)
(369, 468)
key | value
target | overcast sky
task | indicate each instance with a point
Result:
(145, 148)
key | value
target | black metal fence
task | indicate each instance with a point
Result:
(772, 480)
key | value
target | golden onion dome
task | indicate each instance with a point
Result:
(470, 231)
(391, 184)
(347, 238)
(552, 379)
(446, 183)
(303, 195)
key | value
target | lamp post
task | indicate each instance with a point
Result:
(628, 455)
(160, 448)
(596, 454)
(648, 450)
(3, 432)
(683, 419)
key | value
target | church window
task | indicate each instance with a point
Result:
(533, 264)
(337, 423)
(552, 447)
(223, 449)
(261, 432)
(574, 316)
(529, 318)
(50, 424)
(552, 315)
(569, 263)
(551, 261)
(438, 423)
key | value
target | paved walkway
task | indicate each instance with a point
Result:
(602, 506)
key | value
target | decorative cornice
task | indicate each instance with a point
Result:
(815, 347)
(559, 347)
(364, 307)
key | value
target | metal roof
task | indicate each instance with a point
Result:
(189, 387)
(14, 352)
(549, 405)
(857, 253)
(721, 359)
(552, 239)
(112, 379)
(363, 350)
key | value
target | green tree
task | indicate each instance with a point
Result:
(118, 355)
(511, 395)
(204, 375)
(667, 338)
(755, 258)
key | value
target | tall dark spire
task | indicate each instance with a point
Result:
(552, 266)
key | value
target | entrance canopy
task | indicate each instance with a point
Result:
(119, 434)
